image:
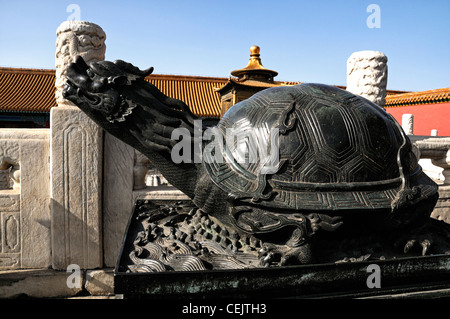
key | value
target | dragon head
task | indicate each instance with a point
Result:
(98, 89)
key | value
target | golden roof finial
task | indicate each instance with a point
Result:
(254, 55)
(254, 50)
(255, 69)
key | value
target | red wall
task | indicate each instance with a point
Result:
(426, 117)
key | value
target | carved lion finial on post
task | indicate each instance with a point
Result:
(82, 38)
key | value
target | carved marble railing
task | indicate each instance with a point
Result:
(437, 151)
(24, 198)
(9, 203)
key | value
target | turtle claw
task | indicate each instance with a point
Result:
(425, 243)
(417, 238)
(432, 237)
(267, 260)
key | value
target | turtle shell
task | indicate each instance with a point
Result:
(314, 147)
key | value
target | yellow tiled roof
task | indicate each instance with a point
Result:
(415, 98)
(27, 90)
(197, 92)
(33, 90)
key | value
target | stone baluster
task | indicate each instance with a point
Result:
(140, 170)
(10, 170)
(10, 164)
(408, 123)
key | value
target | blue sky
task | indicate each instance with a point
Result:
(306, 41)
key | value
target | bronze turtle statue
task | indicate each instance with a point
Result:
(301, 161)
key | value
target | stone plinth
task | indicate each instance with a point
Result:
(43, 283)
(345, 277)
(100, 282)
(76, 189)
(367, 75)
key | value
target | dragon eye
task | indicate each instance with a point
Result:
(118, 80)
(90, 73)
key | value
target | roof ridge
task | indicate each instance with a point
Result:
(197, 78)
(10, 70)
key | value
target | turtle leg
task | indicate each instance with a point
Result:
(298, 249)
(283, 255)
(302, 254)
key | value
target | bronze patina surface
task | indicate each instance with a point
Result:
(344, 176)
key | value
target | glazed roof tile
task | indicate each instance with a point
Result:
(27, 90)
(197, 92)
(417, 98)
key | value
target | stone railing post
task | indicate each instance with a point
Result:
(367, 75)
(76, 158)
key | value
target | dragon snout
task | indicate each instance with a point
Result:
(68, 90)
(80, 75)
